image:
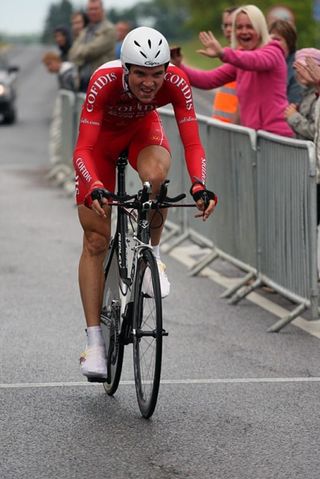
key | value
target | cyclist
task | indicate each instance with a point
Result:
(119, 113)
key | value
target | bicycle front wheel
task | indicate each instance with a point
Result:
(110, 320)
(147, 333)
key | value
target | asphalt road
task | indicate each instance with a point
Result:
(235, 403)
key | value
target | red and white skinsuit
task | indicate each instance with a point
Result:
(113, 120)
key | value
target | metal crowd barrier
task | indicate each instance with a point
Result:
(231, 170)
(287, 221)
(265, 222)
(266, 219)
(68, 126)
(61, 172)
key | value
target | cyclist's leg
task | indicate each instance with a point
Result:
(153, 164)
(96, 232)
(149, 154)
(95, 242)
(96, 238)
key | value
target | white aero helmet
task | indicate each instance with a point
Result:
(145, 47)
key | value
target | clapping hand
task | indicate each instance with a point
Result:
(212, 47)
(313, 70)
(304, 71)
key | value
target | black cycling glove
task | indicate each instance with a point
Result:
(96, 193)
(199, 192)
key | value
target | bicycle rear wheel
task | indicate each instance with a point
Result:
(111, 320)
(147, 334)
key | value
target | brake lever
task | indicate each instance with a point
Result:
(162, 196)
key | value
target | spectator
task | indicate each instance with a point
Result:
(67, 79)
(280, 12)
(66, 71)
(311, 69)
(95, 44)
(79, 20)
(258, 65)
(62, 38)
(122, 28)
(225, 103)
(286, 33)
(301, 117)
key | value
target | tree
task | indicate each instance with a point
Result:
(206, 15)
(164, 15)
(59, 14)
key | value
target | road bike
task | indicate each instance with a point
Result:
(129, 315)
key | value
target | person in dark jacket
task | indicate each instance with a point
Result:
(285, 32)
(62, 38)
(95, 44)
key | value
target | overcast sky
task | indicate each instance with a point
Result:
(28, 16)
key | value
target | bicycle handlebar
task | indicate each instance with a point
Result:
(141, 200)
(136, 202)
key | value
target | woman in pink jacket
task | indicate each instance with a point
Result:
(258, 65)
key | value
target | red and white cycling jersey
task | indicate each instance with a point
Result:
(112, 120)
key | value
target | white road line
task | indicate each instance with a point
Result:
(166, 381)
(181, 254)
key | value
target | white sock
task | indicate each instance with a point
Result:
(156, 251)
(94, 335)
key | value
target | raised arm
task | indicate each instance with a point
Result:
(207, 80)
(262, 59)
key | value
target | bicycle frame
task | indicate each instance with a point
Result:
(142, 236)
(122, 223)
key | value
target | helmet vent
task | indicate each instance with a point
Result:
(149, 43)
(136, 43)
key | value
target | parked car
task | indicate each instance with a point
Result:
(8, 80)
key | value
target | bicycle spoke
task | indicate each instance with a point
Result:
(148, 338)
(110, 321)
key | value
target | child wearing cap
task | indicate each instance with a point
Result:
(311, 68)
(301, 117)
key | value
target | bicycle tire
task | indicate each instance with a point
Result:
(110, 320)
(147, 335)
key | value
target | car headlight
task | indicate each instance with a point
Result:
(4, 90)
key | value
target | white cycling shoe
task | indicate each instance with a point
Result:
(93, 363)
(164, 282)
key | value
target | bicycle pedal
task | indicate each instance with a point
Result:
(96, 379)
(165, 333)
